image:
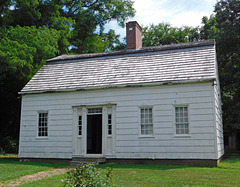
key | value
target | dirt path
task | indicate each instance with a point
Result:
(34, 177)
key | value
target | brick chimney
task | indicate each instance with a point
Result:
(133, 35)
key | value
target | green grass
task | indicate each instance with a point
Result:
(227, 174)
(10, 170)
(230, 163)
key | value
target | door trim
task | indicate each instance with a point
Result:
(79, 145)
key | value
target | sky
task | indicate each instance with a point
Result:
(176, 12)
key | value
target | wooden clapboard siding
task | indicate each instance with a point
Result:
(164, 144)
(218, 121)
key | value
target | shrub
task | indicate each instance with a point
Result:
(8, 145)
(87, 175)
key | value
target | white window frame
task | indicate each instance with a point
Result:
(38, 121)
(140, 122)
(181, 123)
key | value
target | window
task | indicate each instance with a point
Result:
(43, 124)
(146, 121)
(181, 120)
(109, 124)
(94, 110)
(79, 125)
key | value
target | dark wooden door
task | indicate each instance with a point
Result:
(94, 134)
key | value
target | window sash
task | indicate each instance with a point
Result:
(43, 124)
(79, 125)
(181, 120)
(146, 121)
(109, 124)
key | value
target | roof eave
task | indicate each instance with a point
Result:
(121, 86)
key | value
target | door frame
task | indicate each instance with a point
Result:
(79, 144)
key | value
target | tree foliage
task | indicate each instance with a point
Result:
(164, 33)
(84, 19)
(23, 51)
(224, 26)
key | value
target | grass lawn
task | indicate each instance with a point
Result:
(54, 181)
(159, 175)
(10, 170)
(227, 174)
(230, 163)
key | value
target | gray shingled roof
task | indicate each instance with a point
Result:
(189, 62)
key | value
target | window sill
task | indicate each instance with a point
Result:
(182, 136)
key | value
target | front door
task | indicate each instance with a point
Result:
(94, 134)
(94, 130)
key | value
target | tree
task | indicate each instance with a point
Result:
(114, 43)
(224, 26)
(209, 29)
(85, 18)
(164, 33)
(4, 9)
(23, 51)
(95, 14)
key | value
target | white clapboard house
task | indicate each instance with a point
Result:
(158, 104)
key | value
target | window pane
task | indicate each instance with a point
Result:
(177, 109)
(177, 120)
(109, 119)
(146, 120)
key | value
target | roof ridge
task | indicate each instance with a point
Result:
(142, 50)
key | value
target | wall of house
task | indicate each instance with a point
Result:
(218, 120)
(218, 113)
(164, 144)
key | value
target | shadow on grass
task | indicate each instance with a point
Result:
(228, 163)
(152, 167)
(231, 160)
